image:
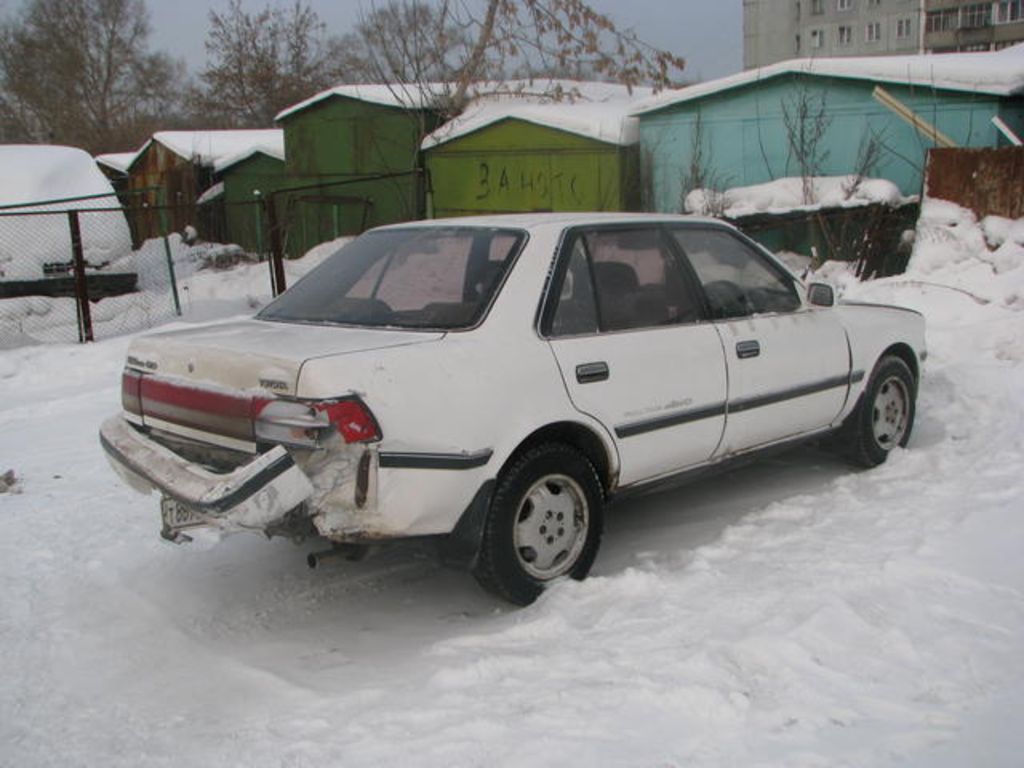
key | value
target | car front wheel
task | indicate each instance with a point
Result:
(544, 523)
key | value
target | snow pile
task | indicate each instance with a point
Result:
(244, 288)
(35, 173)
(787, 194)
(955, 255)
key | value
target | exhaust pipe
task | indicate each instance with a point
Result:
(350, 552)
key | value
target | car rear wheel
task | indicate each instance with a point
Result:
(544, 523)
(885, 415)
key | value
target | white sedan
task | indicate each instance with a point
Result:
(496, 381)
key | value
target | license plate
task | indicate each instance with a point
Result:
(177, 516)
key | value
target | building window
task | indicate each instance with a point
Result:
(845, 35)
(903, 28)
(817, 7)
(942, 21)
(844, 5)
(874, 2)
(973, 48)
(873, 32)
(1006, 44)
(817, 38)
(1010, 11)
(976, 15)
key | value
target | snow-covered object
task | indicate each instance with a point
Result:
(598, 111)
(37, 173)
(218, 149)
(787, 194)
(1000, 73)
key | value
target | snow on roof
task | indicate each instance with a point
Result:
(598, 111)
(403, 95)
(39, 172)
(118, 161)
(214, 192)
(999, 73)
(787, 194)
(227, 162)
(217, 148)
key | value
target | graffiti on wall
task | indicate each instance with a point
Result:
(505, 180)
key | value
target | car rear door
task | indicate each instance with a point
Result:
(788, 363)
(624, 322)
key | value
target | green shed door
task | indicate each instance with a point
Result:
(514, 167)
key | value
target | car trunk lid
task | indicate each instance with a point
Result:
(211, 383)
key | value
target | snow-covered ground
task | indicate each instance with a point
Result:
(798, 613)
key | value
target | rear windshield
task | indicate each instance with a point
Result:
(404, 278)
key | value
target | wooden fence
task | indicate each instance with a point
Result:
(987, 181)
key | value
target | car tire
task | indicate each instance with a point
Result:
(884, 416)
(544, 523)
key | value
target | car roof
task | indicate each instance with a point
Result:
(537, 221)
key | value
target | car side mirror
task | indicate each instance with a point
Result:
(821, 295)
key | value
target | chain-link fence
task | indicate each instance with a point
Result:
(85, 268)
(70, 271)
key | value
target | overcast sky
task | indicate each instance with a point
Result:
(708, 33)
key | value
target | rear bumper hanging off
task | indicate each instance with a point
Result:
(254, 495)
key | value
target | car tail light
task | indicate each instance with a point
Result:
(131, 391)
(307, 423)
(352, 419)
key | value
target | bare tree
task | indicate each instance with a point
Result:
(80, 72)
(869, 154)
(403, 42)
(700, 175)
(806, 120)
(262, 62)
(463, 44)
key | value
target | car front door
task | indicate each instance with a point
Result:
(788, 363)
(625, 324)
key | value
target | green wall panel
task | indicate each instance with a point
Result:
(516, 166)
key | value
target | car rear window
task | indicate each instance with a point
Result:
(416, 278)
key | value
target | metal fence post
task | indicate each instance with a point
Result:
(277, 282)
(257, 196)
(162, 211)
(81, 285)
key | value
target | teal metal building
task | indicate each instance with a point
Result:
(740, 130)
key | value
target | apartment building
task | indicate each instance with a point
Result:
(776, 30)
(958, 26)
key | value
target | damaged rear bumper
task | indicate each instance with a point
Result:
(255, 495)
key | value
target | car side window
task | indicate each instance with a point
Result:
(621, 279)
(576, 311)
(738, 281)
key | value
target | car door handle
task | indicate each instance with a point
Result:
(746, 349)
(588, 373)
